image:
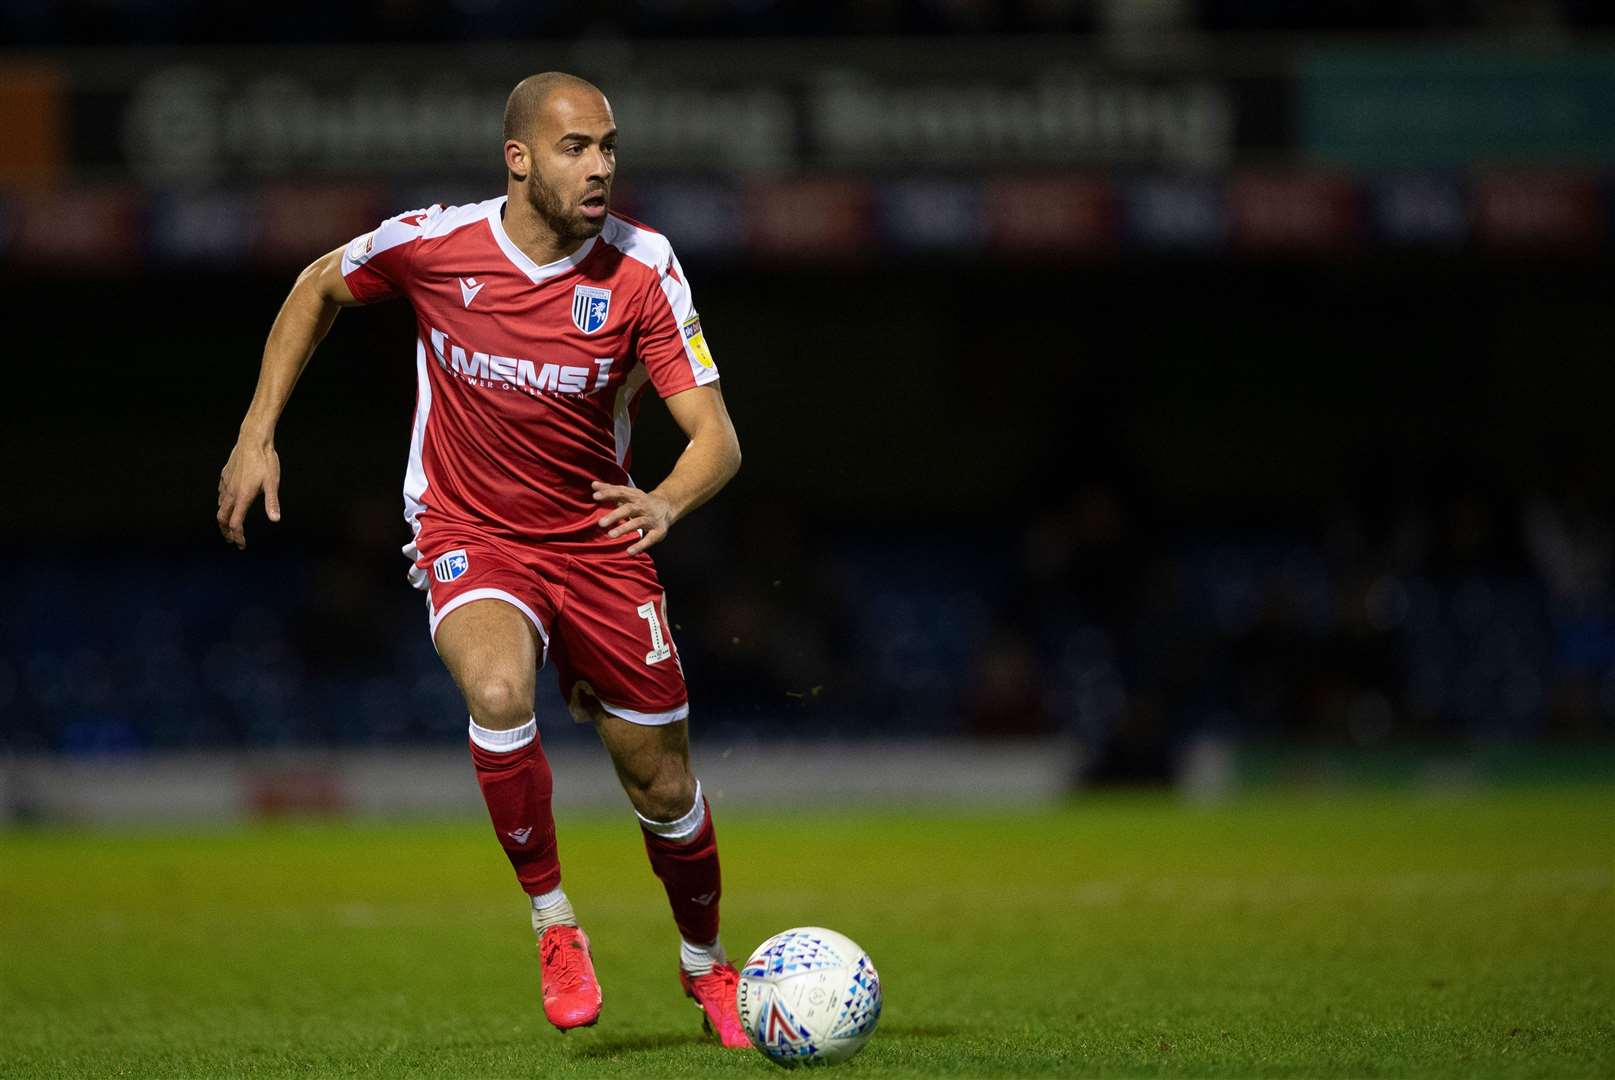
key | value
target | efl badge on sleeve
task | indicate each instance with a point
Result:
(362, 247)
(589, 307)
(696, 342)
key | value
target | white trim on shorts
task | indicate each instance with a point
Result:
(436, 617)
(648, 719)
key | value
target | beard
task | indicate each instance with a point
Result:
(563, 218)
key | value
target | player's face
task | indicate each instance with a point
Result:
(574, 154)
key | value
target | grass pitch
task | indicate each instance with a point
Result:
(1360, 935)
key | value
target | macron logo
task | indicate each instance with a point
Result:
(469, 287)
(520, 835)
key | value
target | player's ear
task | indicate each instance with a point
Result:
(517, 159)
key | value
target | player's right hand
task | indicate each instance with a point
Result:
(251, 469)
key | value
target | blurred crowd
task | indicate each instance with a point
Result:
(1421, 603)
(90, 22)
(1421, 608)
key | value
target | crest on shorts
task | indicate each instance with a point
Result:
(590, 307)
(450, 565)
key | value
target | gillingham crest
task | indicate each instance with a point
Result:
(590, 306)
(450, 565)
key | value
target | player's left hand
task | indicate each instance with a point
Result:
(643, 510)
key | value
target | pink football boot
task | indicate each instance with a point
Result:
(571, 992)
(714, 992)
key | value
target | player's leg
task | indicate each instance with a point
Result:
(653, 764)
(620, 671)
(491, 648)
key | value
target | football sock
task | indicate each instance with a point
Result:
(552, 909)
(679, 829)
(700, 959)
(684, 855)
(516, 784)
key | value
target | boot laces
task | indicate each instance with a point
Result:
(727, 979)
(563, 960)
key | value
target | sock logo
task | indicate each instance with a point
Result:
(520, 835)
(705, 899)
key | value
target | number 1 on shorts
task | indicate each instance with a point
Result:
(659, 648)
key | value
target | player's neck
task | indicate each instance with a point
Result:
(532, 234)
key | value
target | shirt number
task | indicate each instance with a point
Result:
(660, 649)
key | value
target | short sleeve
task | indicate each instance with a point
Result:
(376, 266)
(671, 344)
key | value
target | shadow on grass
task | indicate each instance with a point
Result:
(630, 1043)
(918, 1031)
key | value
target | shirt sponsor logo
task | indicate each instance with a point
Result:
(590, 306)
(451, 565)
(513, 372)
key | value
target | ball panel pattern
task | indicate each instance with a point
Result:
(792, 952)
(860, 1011)
(809, 996)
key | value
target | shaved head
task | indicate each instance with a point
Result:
(525, 103)
(560, 157)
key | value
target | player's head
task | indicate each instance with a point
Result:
(561, 151)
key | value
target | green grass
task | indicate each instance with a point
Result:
(1353, 935)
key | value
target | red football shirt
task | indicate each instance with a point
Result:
(529, 376)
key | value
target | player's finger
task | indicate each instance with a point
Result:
(652, 536)
(613, 491)
(238, 518)
(638, 522)
(272, 498)
(227, 507)
(611, 517)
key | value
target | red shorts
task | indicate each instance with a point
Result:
(602, 619)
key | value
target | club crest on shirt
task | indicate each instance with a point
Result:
(451, 565)
(590, 306)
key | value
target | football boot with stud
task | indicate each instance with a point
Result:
(566, 971)
(714, 993)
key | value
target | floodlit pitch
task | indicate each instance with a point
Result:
(1347, 935)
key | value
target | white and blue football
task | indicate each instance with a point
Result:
(809, 996)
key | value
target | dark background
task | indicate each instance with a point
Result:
(1346, 492)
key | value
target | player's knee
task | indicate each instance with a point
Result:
(498, 702)
(668, 795)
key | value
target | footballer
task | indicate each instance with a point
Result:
(542, 317)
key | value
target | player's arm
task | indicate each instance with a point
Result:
(708, 463)
(305, 318)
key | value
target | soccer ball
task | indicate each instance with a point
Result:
(809, 996)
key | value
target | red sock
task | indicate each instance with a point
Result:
(517, 786)
(689, 872)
